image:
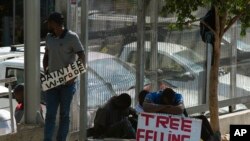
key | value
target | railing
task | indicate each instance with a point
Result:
(42, 43)
(223, 103)
(9, 94)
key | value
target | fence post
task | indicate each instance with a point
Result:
(209, 55)
(233, 62)
(84, 77)
(201, 91)
(154, 43)
(140, 48)
(32, 60)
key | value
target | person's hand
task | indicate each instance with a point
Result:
(46, 72)
(72, 81)
(81, 57)
(166, 108)
(82, 61)
(132, 112)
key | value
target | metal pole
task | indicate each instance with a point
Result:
(32, 60)
(140, 48)
(84, 77)
(76, 15)
(14, 22)
(58, 5)
(69, 18)
(154, 43)
(233, 62)
(208, 66)
(11, 109)
(201, 85)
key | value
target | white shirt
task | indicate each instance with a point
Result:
(5, 122)
(139, 108)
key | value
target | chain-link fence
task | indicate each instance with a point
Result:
(181, 55)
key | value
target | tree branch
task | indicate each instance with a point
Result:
(192, 21)
(222, 23)
(232, 21)
(209, 27)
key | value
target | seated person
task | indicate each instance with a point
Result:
(19, 96)
(112, 119)
(141, 97)
(166, 101)
(18, 93)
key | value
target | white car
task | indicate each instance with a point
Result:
(175, 62)
(107, 76)
(98, 90)
(184, 68)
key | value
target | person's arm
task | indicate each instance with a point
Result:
(153, 108)
(100, 121)
(168, 109)
(178, 106)
(176, 110)
(78, 48)
(132, 112)
(46, 61)
(149, 104)
(18, 115)
(81, 56)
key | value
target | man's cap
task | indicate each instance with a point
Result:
(56, 17)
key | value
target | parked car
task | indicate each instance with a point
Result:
(184, 68)
(243, 49)
(119, 74)
(107, 76)
(6, 54)
(243, 67)
(175, 62)
(98, 90)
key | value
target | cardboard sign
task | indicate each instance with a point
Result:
(61, 76)
(163, 127)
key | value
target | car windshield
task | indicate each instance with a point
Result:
(115, 72)
(98, 90)
(189, 55)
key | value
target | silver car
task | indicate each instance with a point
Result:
(184, 68)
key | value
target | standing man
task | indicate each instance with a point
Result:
(62, 48)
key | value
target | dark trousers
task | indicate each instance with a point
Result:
(61, 95)
(122, 129)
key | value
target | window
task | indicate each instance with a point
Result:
(115, 72)
(189, 55)
(14, 72)
(168, 64)
(165, 63)
(132, 57)
(19, 74)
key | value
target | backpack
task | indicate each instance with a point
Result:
(185, 112)
(207, 133)
(209, 19)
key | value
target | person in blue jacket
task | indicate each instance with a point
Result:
(166, 101)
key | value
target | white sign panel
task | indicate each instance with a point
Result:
(163, 127)
(61, 76)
